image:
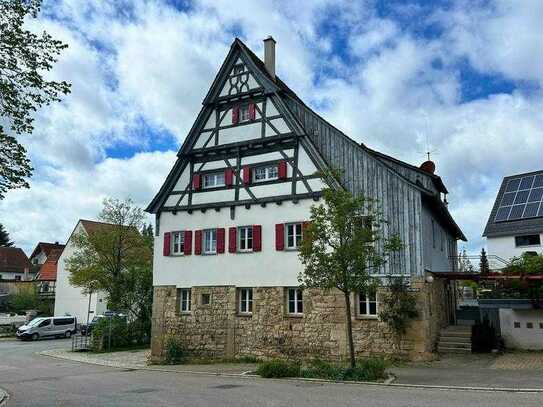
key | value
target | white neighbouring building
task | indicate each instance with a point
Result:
(514, 228)
(230, 217)
(70, 300)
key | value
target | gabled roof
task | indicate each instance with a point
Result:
(506, 225)
(45, 248)
(48, 270)
(14, 260)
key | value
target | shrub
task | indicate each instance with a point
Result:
(366, 370)
(110, 333)
(175, 351)
(278, 368)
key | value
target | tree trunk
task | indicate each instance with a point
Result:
(349, 328)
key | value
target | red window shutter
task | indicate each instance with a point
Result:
(246, 175)
(257, 238)
(196, 182)
(280, 236)
(305, 225)
(198, 242)
(232, 240)
(167, 243)
(228, 177)
(282, 169)
(188, 242)
(220, 240)
(252, 111)
(235, 114)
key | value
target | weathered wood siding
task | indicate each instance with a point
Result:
(364, 174)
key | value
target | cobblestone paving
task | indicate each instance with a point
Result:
(519, 361)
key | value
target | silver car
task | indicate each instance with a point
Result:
(48, 326)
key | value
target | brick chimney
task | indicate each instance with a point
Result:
(269, 55)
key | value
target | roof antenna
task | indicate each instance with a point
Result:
(428, 151)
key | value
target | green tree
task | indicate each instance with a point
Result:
(484, 267)
(24, 58)
(117, 259)
(4, 237)
(342, 246)
(399, 307)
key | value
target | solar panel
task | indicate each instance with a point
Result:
(522, 199)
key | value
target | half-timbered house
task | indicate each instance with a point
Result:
(229, 219)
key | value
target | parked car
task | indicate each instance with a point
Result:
(87, 329)
(48, 326)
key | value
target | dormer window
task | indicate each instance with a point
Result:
(239, 68)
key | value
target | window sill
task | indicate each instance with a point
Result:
(527, 246)
(185, 313)
(177, 255)
(295, 315)
(244, 251)
(368, 317)
(244, 314)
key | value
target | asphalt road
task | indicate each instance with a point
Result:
(34, 380)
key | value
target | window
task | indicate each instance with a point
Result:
(517, 324)
(367, 304)
(266, 173)
(63, 321)
(17, 278)
(215, 179)
(245, 239)
(244, 114)
(245, 305)
(541, 325)
(529, 325)
(206, 299)
(178, 242)
(45, 322)
(210, 241)
(294, 235)
(239, 68)
(433, 234)
(295, 301)
(185, 299)
(527, 240)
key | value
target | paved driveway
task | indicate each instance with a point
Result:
(34, 380)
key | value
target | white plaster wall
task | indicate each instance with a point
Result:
(505, 248)
(69, 299)
(6, 275)
(523, 337)
(266, 268)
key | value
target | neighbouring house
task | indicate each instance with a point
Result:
(44, 261)
(14, 264)
(514, 228)
(70, 300)
(229, 221)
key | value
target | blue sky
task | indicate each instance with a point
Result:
(462, 78)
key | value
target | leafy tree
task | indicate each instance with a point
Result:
(484, 267)
(116, 259)
(399, 307)
(4, 237)
(343, 244)
(24, 58)
(464, 263)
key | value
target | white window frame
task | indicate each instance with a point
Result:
(185, 299)
(213, 180)
(245, 301)
(244, 115)
(367, 300)
(209, 236)
(243, 237)
(180, 244)
(297, 293)
(264, 173)
(297, 238)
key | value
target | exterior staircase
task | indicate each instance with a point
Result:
(455, 339)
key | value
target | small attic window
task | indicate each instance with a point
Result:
(239, 68)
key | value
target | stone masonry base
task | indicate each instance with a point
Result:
(217, 330)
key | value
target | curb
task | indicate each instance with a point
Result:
(390, 382)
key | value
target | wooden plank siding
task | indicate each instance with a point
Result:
(365, 174)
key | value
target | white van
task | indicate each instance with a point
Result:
(48, 326)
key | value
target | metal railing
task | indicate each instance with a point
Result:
(81, 342)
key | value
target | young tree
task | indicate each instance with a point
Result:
(343, 244)
(116, 258)
(24, 57)
(484, 267)
(4, 237)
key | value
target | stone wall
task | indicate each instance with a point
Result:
(217, 330)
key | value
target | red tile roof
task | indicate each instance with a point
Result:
(48, 270)
(46, 248)
(13, 259)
